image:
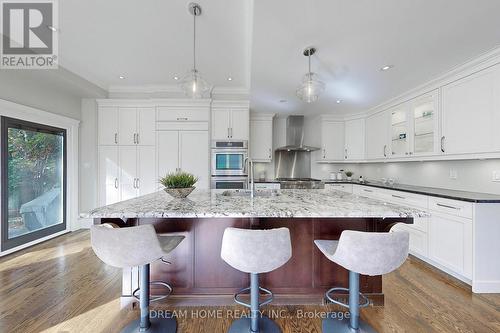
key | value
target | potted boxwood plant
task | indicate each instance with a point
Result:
(179, 184)
(349, 175)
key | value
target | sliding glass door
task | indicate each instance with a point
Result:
(33, 181)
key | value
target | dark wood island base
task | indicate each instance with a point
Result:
(199, 276)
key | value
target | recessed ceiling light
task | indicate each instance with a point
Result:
(50, 27)
(230, 78)
(282, 100)
(339, 101)
(386, 68)
(121, 77)
(176, 78)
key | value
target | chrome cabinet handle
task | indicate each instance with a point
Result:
(134, 183)
(385, 150)
(231, 132)
(116, 138)
(411, 153)
(182, 118)
(398, 196)
(116, 183)
(446, 206)
(367, 190)
(137, 184)
(137, 138)
(324, 153)
(442, 143)
(406, 153)
(269, 152)
(228, 131)
(345, 153)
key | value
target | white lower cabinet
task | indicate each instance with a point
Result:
(347, 188)
(267, 186)
(125, 172)
(450, 243)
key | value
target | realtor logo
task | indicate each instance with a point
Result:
(29, 34)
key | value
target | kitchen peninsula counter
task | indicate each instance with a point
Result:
(198, 274)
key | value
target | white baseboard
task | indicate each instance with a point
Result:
(486, 287)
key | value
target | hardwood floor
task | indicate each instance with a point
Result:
(61, 286)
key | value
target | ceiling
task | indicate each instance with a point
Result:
(354, 39)
(150, 42)
(259, 44)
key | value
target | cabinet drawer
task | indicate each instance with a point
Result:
(348, 188)
(267, 186)
(182, 114)
(452, 207)
(409, 199)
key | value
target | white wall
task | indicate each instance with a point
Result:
(472, 175)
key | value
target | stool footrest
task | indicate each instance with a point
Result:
(155, 298)
(346, 305)
(268, 300)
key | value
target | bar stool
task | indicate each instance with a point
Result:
(136, 246)
(255, 252)
(367, 253)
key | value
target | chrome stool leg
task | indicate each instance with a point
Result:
(257, 323)
(145, 323)
(353, 323)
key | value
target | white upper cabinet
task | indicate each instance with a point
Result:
(261, 137)
(354, 148)
(107, 124)
(332, 140)
(377, 136)
(400, 130)
(126, 126)
(471, 113)
(127, 129)
(146, 118)
(424, 114)
(230, 120)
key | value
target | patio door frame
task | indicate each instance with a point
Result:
(6, 123)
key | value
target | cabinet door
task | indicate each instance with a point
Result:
(128, 172)
(221, 123)
(377, 133)
(450, 243)
(425, 127)
(239, 124)
(193, 148)
(332, 141)
(261, 140)
(127, 128)
(146, 118)
(107, 124)
(471, 113)
(400, 131)
(168, 152)
(354, 139)
(108, 175)
(146, 170)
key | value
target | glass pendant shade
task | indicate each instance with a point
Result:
(194, 86)
(310, 89)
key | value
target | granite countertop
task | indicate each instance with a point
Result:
(282, 203)
(432, 191)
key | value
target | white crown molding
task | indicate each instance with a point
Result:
(15, 110)
(231, 103)
(158, 88)
(261, 116)
(154, 102)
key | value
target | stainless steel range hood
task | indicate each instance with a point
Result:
(295, 135)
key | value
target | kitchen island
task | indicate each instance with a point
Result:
(198, 274)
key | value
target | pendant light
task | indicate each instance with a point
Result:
(193, 85)
(311, 87)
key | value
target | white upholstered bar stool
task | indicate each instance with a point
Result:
(368, 253)
(136, 246)
(255, 252)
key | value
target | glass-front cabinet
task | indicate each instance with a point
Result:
(425, 124)
(400, 127)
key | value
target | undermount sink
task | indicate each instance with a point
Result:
(247, 193)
